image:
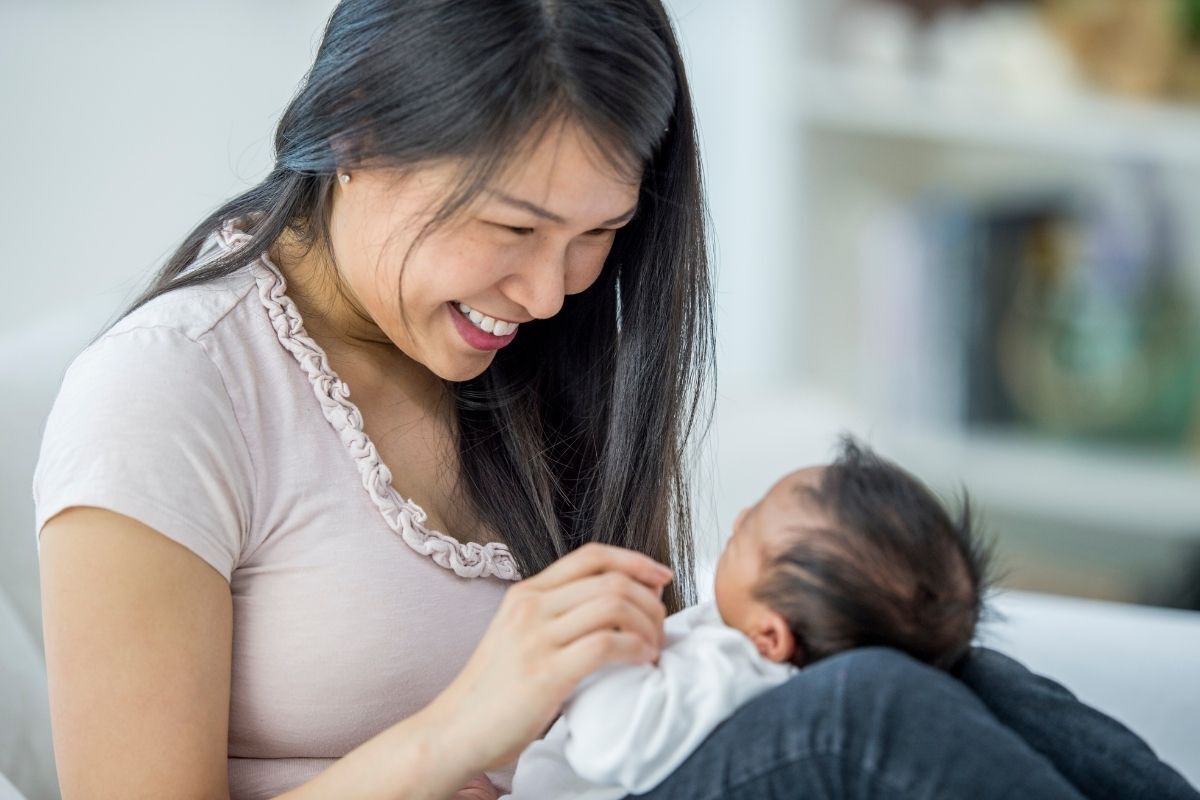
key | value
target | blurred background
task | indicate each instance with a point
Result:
(967, 235)
(960, 230)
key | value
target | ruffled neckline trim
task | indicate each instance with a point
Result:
(404, 516)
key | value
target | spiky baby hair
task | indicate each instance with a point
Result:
(889, 567)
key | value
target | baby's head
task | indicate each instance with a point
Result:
(852, 554)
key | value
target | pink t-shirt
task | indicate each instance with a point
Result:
(211, 416)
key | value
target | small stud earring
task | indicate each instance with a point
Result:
(344, 178)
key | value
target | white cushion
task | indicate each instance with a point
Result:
(26, 749)
(33, 361)
(1138, 664)
(8, 791)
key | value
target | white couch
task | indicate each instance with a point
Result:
(33, 361)
(1138, 664)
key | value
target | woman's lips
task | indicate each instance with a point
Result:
(479, 339)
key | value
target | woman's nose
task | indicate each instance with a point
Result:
(539, 285)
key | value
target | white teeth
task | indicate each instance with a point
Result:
(484, 322)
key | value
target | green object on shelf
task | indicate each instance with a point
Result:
(1189, 15)
(1082, 360)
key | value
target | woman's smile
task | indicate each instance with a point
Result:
(479, 330)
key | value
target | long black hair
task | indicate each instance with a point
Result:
(581, 429)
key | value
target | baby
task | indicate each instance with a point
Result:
(852, 554)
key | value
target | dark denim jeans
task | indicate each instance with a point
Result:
(873, 723)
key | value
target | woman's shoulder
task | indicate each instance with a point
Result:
(189, 311)
(167, 358)
(143, 424)
(148, 371)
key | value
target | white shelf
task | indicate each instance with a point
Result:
(1090, 487)
(1077, 124)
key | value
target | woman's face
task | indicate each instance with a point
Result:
(536, 234)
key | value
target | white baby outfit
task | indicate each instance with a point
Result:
(626, 727)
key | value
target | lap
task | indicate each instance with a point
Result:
(870, 723)
(1101, 757)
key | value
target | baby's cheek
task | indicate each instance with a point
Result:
(720, 587)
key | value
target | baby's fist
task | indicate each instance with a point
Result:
(478, 788)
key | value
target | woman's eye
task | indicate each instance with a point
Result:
(524, 231)
(517, 229)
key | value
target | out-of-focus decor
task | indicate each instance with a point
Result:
(1130, 47)
(1135, 48)
(875, 35)
(1080, 353)
(928, 9)
(1076, 319)
(1187, 75)
(1004, 48)
(996, 242)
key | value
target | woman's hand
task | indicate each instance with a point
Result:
(596, 605)
(478, 788)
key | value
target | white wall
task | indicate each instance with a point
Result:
(737, 62)
(124, 123)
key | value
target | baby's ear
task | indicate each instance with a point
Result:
(775, 640)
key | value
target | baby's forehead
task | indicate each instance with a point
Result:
(794, 502)
(798, 485)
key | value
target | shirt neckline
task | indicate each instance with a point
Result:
(404, 516)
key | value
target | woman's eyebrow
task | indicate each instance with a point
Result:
(550, 215)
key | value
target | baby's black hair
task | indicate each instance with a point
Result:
(891, 568)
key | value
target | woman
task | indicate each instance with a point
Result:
(485, 219)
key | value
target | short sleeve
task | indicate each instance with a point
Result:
(143, 425)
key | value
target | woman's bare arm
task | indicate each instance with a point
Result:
(138, 632)
(411, 760)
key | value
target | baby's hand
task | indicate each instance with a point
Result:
(478, 788)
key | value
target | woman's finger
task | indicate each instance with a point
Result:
(610, 588)
(594, 558)
(591, 651)
(604, 612)
(556, 601)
